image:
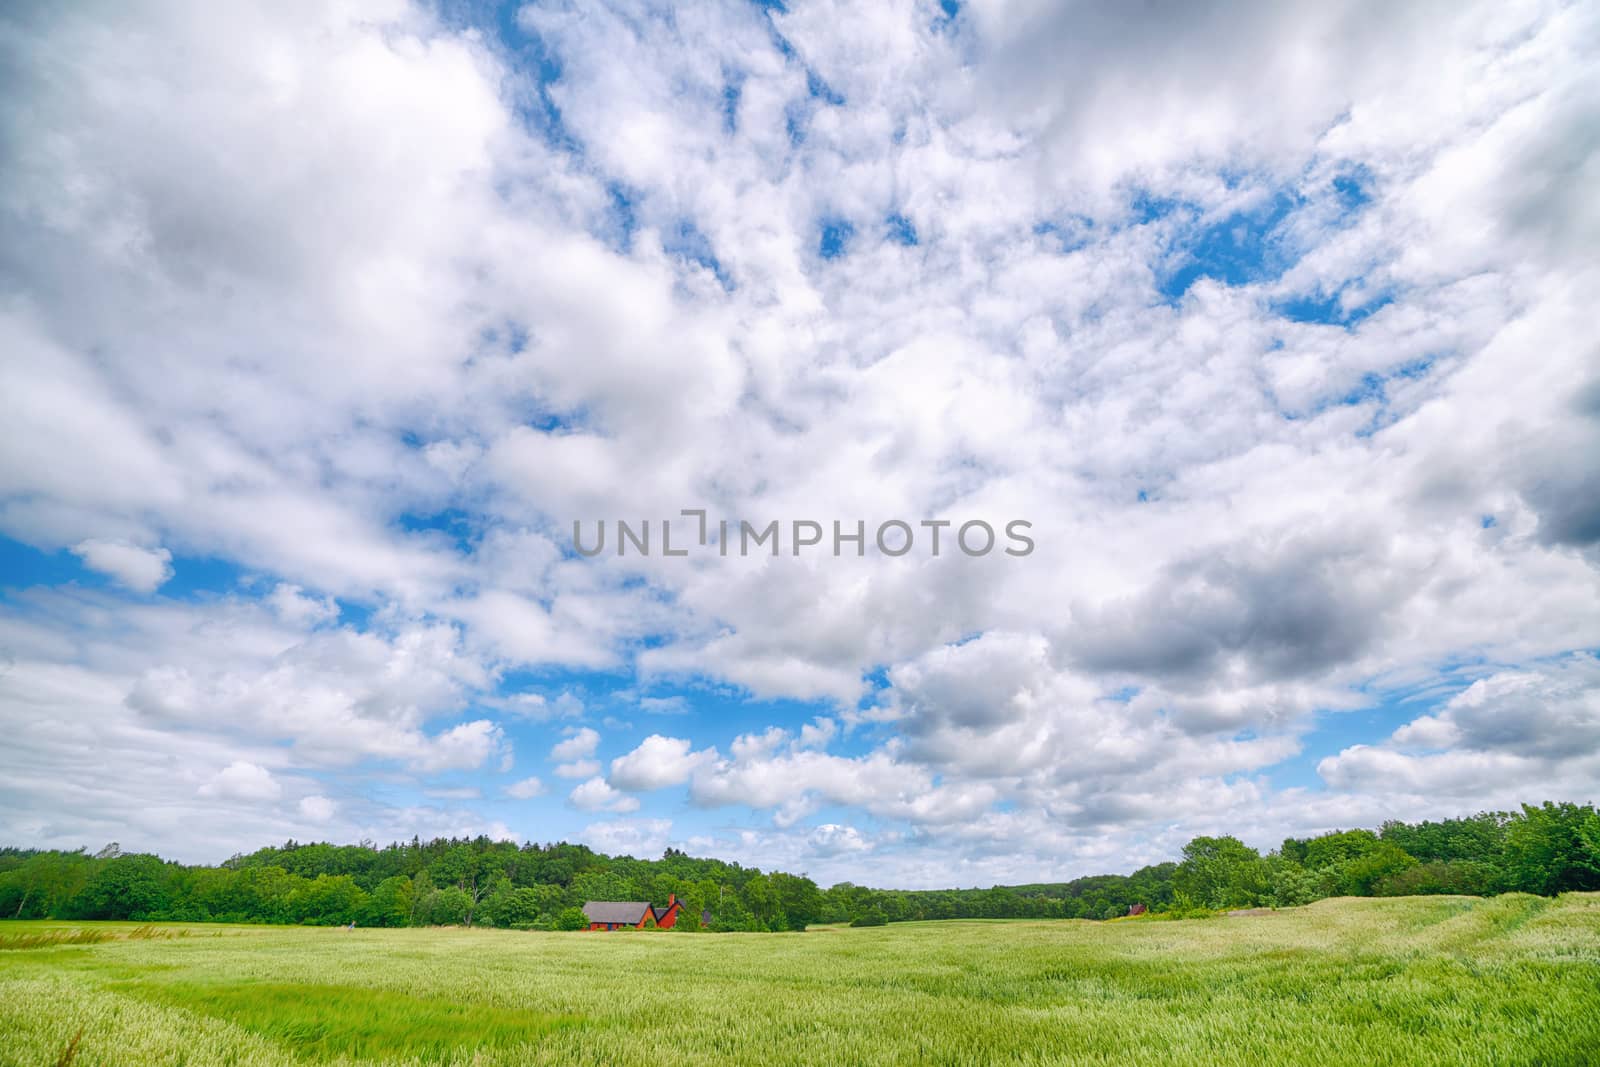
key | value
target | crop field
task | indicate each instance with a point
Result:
(1420, 980)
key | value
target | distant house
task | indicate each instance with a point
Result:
(1137, 909)
(632, 914)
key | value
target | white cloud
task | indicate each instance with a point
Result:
(536, 708)
(818, 732)
(580, 745)
(657, 762)
(1194, 604)
(298, 609)
(317, 808)
(525, 789)
(144, 570)
(832, 839)
(1514, 735)
(242, 781)
(673, 705)
(642, 838)
(338, 696)
(597, 795)
(462, 747)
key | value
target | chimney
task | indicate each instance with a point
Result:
(672, 898)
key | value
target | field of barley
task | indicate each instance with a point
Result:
(1421, 980)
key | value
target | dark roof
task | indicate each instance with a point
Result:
(616, 911)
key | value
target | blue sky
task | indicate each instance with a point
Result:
(320, 341)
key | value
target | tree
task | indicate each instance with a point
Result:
(732, 916)
(443, 907)
(515, 908)
(390, 903)
(1479, 838)
(572, 919)
(1365, 872)
(127, 887)
(1339, 848)
(329, 900)
(1220, 872)
(1466, 877)
(1294, 885)
(42, 884)
(688, 917)
(1546, 851)
(1589, 838)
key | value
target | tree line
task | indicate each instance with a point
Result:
(1548, 849)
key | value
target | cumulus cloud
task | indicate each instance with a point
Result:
(144, 570)
(525, 789)
(316, 808)
(337, 696)
(580, 745)
(1516, 733)
(596, 794)
(1265, 399)
(298, 609)
(831, 839)
(657, 762)
(643, 838)
(242, 781)
(537, 708)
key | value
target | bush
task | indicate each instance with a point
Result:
(572, 919)
(871, 917)
(1464, 877)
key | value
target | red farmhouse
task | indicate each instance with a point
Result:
(632, 914)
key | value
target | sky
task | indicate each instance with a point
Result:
(322, 323)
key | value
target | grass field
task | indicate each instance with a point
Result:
(1423, 980)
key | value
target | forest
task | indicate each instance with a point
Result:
(1546, 849)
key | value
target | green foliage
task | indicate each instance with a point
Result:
(1464, 877)
(444, 907)
(1547, 849)
(328, 900)
(688, 920)
(571, 919)
(1221, 872)
(512, 907)
(1479, 838)
(1294, 885)
(126, 887)
(1339, 848)
(872, 916)
(1364, 872)
(391, 903)
(731, 915)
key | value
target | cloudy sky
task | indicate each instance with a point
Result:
(320, 324)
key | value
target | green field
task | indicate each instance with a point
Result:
(1420, 980)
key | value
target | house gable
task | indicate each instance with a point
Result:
(634, 914)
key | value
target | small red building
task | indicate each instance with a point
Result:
(632, 914)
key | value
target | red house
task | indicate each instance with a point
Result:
(632, 914)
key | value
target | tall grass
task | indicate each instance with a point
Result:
(46, 938)
(1435, 981)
